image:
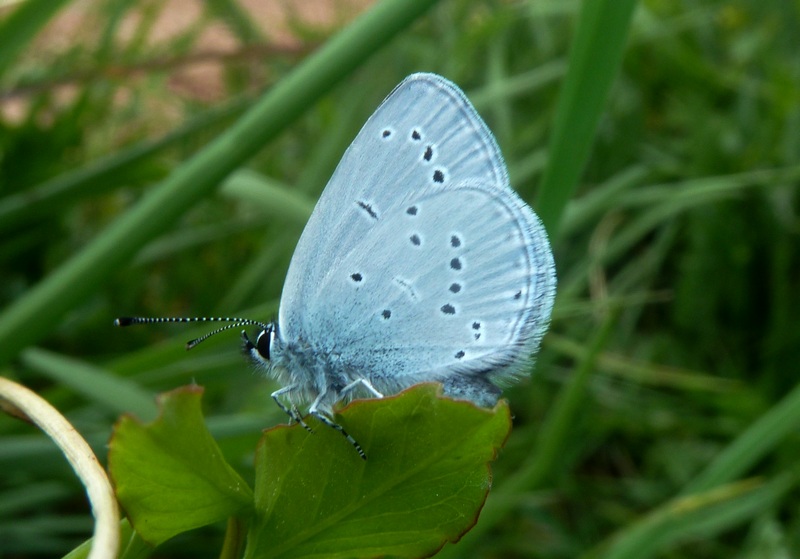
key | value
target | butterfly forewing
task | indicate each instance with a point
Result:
(425, 134)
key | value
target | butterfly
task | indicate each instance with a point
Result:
(419, 263)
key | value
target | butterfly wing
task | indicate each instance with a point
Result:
(419, 261)
(424, 133)
(457, 280)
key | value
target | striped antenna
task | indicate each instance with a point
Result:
(130, 320)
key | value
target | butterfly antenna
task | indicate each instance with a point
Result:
(236, 322)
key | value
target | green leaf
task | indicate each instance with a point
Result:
(170, 475)
(424, 482)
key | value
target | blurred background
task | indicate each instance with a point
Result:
(680, 245)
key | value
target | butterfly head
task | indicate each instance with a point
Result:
(260, 349)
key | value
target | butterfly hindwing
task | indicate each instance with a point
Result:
(448, 280)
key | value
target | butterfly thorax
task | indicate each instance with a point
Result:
(311, 370)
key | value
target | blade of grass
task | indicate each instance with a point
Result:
(273, 197)
(645, 373)
(782, 420)
(696, 516)
(168, 245)
(555, 431)
(704, 507)
(22, 323)
(18, 29)
(497, 72)
(116, 394)
(582, 212)
(35, 203)
(672, 201)
(695, 191)
(235, 17)
(594, 59)
(518, 85)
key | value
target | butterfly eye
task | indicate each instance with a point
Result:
(264, 341)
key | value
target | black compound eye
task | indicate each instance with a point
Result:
(263, 342)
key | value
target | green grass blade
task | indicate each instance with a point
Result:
(662, 203)
(115, 394)
(782, 420)
(271, 196)
(35, 203)
(518, 85)
(560, 420)
(22, 323)
(19, 28)
(594, 59)
(645, 373)
(698, 516)
(237, 18)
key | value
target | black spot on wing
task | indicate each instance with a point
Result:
(368, 209)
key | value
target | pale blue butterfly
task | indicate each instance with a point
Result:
(419, 263)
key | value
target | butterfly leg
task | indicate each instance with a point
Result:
(299, 419)
(324, 418)
(362, 382)
(293, 413)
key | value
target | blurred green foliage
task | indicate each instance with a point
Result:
(666, 392)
